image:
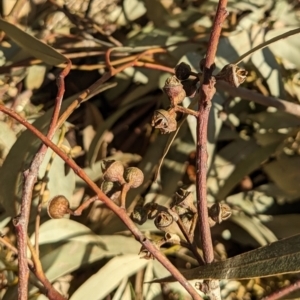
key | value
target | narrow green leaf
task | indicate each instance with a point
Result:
(277, 258)
(32, 45)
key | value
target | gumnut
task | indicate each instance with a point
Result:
(174, 90)
(58, 207)
(113, 171)
(134, 177)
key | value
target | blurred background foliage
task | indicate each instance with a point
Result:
(253, 150)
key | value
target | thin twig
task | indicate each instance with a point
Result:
(284, 291)
(105, 77)
(36, 268)
(51, 292)
(190, 241)
(30, 176)
(78, 211)
(14, 250)
(121, 213)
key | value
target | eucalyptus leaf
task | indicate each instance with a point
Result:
(289, 166)
(7, 139)
(286, 48)
(109, 276)
(265, 62)
(278, 258)
(245, 167)
(29, 43)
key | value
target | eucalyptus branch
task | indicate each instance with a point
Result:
(121, 213)
(21, 221)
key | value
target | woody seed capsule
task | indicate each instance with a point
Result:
(134, 177)
(113, 171)
(58, 207)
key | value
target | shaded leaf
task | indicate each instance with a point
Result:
(275, 120)
(29, 43)
(289, 166)
(156, 12)
(98, 138)
(246, 166)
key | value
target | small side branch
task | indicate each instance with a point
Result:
(30, 176)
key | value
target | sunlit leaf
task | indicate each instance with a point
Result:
(109, 276)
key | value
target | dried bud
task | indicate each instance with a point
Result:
(163, 221)
(139, 215)
(190, 87)
(164, 120)
(58, 207)
(185, 200)
(113, 171)
(232, 74)
(166, 222)
(174, 90)
(134, 177)
(219, 212)
(182, 71)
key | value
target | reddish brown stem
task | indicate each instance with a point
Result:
(30, 176)
(284, 291)
(105, 77)
(84, 205)
(201, 165)
(50, 292)
(121, 213)
(207, 91)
